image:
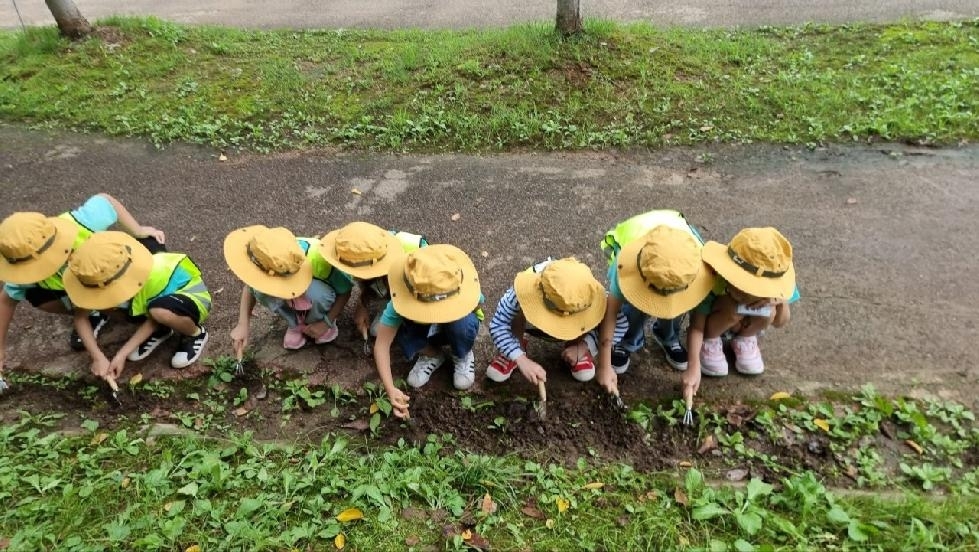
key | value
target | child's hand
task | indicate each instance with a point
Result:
(117, 365)
(239, 339)
(608, 380)
(531, 370)
(150, 232)
(361, 321)
(690, 384)
(399, 402)
(101, 367)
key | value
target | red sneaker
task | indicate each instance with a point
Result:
(584, 367)
(500, 369)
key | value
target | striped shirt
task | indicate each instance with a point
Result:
(501, 326)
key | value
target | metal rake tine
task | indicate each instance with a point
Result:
(240, 367)
(688, 418)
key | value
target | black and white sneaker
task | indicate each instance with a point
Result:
(98, 321)
(676, 355)
(620, 359)
(147, 347)
(189, 350)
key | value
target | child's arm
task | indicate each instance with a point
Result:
(362, 312)
(143, 332)
(690, 382)
(382, 360)
(337, 309)
(605, 376)
(100, 364)
(128, 222)
(782, 315)
(239, 334)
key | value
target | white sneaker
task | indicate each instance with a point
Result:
(421, 372)
(712, 359)
(747, 356)
(465, 371)
(150, 344)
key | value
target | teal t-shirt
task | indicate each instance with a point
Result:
(391, 318)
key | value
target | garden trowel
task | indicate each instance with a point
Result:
(541, 405)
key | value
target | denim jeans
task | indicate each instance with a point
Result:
(319, 293)
(668, 331)
(460, 336)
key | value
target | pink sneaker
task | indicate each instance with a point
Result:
(747, 355)
(294, 338)
(329, 335)
(712, 359)
(500, 369)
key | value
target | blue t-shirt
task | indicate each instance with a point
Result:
(96, 214)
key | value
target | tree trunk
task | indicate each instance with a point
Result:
(70, 21)
(569, 17)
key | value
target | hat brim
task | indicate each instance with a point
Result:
(328, 247)
(638, 293)
(715, 254)
(283, 287)
(124, 288)
(564, 327)
(449, 309)
(47, 263)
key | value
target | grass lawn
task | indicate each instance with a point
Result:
(520, 88)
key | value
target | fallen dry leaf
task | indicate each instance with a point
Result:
(355, 191)
(240, 411)
(466, 535)
(706, 128)
(412, 540)
(125, 482)
(593, 485)
(736, 475)
(680, 497)
(821, 424)
(851, 201)
(193, 548)
(455, 217)
(917, 448)
(685, 464)
(562, 504)
(549, 523)
(530, 510)
(781, 395)
(488, 507)
(222, 157)
(476, 541)
(98, 438)
(735, 419)
(350, 514)
(360, 425)
(135, 379)
(374, 408)
(708, 445)
(340, 541)
(484, 254)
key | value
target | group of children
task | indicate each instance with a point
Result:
(660, 270)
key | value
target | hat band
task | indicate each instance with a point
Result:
(430, 297)
(122, 270)
(748, 267)
(44, 247)
(269, 271)
(664, 291)
(551, 306)
(356, 264)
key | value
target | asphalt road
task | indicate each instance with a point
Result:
(482, 13)
(883, 236)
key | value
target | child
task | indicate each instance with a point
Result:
(34, 249)
(365, 252)
(755, 272)
(164, 291)
(658, 273)
(435, 298)
(557, 300)
(290, 277)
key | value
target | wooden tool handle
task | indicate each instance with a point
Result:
(542, 391)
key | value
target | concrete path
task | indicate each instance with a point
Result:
(884, 238)
(496, 13)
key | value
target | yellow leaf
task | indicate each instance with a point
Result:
(99, 437)
(222, 157)
(685, 464)
(595, 485)
(467, 535)
(355, 191)
(781, 395)
(339, 541)
(821, 424)
(350, 514)
(374, 408)
(125, 482)
(549, 523)
(917, 448)
(193, 548)
(133, 381)
(562, 504)
(167, 506)
(240, 411)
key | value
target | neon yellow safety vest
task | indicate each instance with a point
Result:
(639, 226)
(410, 242)
(55, 282)
(321, 267)
(164, 267)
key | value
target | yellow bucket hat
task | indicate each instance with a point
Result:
(758, 261)
(107, 270)
(662, 273)
(564, 299)
(434, 285)
(34, 246)
(268, 260)
(361, 250)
